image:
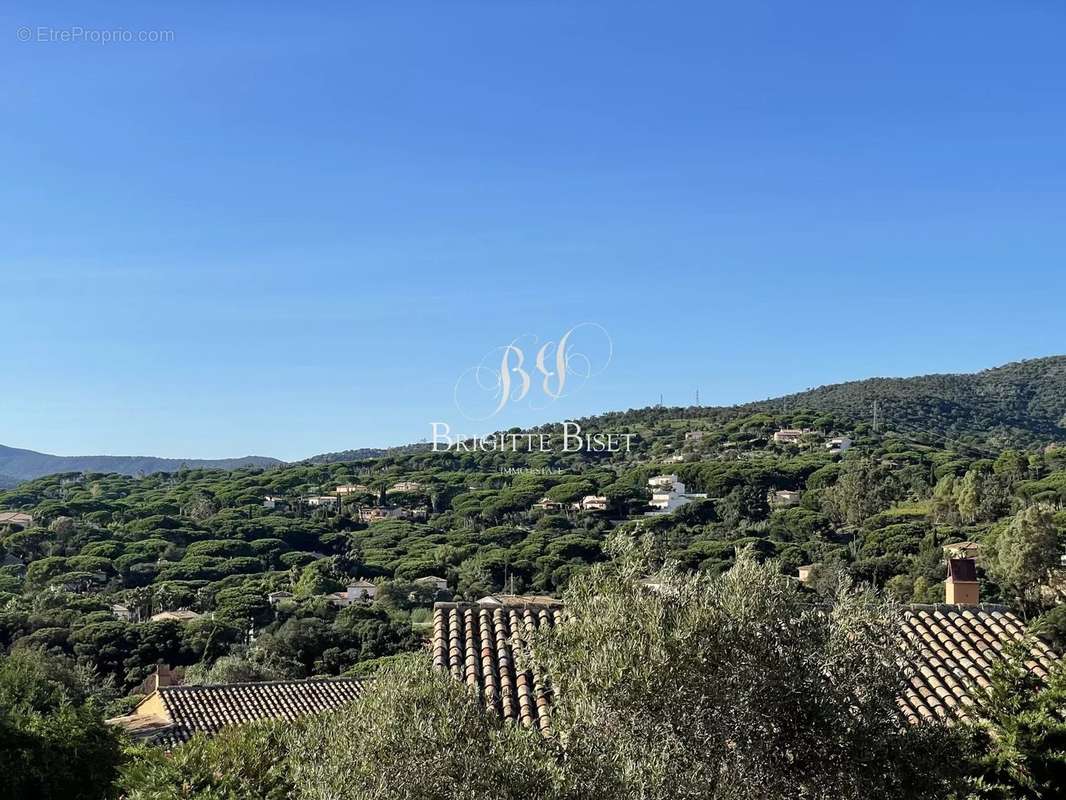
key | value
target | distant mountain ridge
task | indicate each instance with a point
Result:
(22, 465)
(1021, 404)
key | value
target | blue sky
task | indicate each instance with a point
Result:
(289, 231)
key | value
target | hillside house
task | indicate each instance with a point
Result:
(357, 592)
(122, 612)
(790, 435)
(321, 501)
(784, 498)
(373, 514)
(669, 494)
(378, 513)
(433, 581)
(275, 502)
(405, 486)
(181, 615)
(351, 488)
(694, 436)
(804, 573)
(962, 550)
(276, 597)
(547, 504)
(15, 519)
(838, 444)
(593, 502)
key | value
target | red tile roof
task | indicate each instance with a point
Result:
(193, 709)
(954, 650)
(477, 644)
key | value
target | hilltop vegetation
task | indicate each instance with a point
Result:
(1016, 405)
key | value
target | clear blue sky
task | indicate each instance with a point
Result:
(288, 231)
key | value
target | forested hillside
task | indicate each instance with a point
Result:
(217, 543)
(1017, 404)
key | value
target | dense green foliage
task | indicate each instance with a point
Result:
(878, 514)
(728, 686)
(203, 540)
(1024, 727)
(54, 744)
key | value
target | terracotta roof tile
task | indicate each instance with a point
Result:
(955, 648)
(476, 643)
(193, 709)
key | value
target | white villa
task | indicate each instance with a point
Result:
(321, 501)
(668, 494)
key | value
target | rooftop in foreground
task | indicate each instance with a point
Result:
(172, 714)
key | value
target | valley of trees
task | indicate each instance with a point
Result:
(879, 514)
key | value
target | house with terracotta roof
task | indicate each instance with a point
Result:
(954, 646)
(15, 519)
(790, 435)
(171, 714)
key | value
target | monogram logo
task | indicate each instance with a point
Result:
(503, 377)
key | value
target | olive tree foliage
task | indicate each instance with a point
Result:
(418, 734)
(734, 687)
(241, 762)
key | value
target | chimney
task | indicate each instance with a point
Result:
(163, 676)
(961, 587)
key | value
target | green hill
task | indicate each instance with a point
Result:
(1019, 404)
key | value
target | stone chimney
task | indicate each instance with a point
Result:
(961, 587)
(163, 676)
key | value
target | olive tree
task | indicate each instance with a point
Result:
(734, 687)
(414, 734)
